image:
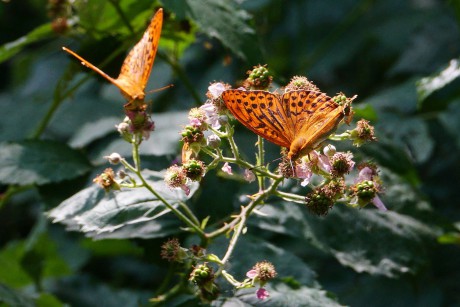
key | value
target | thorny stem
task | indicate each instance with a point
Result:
(248, 209)
(179, 214)
(260, 160)
(240, 221)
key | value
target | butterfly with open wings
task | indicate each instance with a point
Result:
(299, 120)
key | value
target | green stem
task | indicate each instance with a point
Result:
(248, 209)
(179, 214)
(189, 213)
(261, 161)
(290, 196)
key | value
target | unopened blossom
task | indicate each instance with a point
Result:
(227, 168)
(113, 158)
(249, 175)
(213, 141)
(329, 150)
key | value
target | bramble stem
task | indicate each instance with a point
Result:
(260, 161)
(179, 214)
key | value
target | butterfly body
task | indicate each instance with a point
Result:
(137, 66)
(298, 120)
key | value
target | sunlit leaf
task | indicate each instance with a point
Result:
(224, 21)
(10, 49)
(428, 85)
(130, 213)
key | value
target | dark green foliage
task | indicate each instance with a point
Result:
(400, 57)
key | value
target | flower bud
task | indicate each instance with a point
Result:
(213, 141)
(329, 150)
(114, 158)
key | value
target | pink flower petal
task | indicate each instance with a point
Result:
(227, 168)
(379, 204)
(251, 274)
(216, 89)
(262, 294)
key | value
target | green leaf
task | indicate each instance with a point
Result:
(130, 213)
(48, 300)
(365, 111)
(223, 20)
(295, 284)
(10, 49)
(12, 272)
(12, 297)
(283, 295)
(428, 85)
(39, 162)
(379, 243)
(94, 130)
(405, 134)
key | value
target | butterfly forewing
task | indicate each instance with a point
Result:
(261, 112)
(139, 62)
(137, 66)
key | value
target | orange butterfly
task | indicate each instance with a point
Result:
(137, 66)
(299, 120)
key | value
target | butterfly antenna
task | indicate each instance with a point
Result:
(160, 89)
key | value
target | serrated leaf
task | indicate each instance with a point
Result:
(294, 281)
(283, 295)
(131, 213)
(428, 85)
(251, 250)
(40, 162)
(222, 20)
(366, 240)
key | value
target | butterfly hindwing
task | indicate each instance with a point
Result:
(261, 112)
(315, 116)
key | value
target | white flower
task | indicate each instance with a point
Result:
(216, 89)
